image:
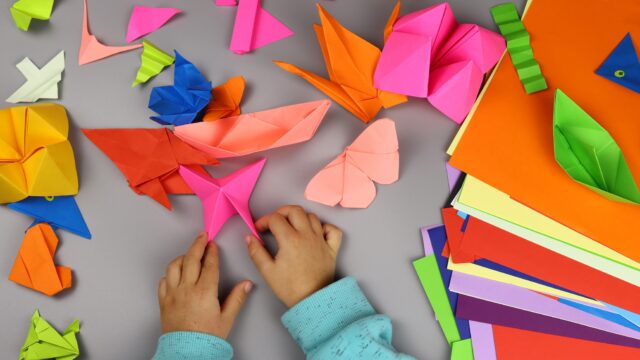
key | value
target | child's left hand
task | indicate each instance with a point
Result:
(188, 293)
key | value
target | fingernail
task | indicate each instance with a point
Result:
(248, 239)
(248, 286)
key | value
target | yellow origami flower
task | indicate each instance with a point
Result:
(36, 158)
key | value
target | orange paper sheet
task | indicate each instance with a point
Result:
(34, 267)
(509, 142)
(517, 344)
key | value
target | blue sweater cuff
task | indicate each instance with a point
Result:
(322, 315)
(186, 345)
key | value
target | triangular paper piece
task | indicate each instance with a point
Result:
(144, 20)
(152, 61)
(59, 212)
(254, 27)
(622, 65)
(93, 50)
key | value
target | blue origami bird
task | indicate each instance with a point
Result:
(622, 65)
(59, 212)
(182, 102)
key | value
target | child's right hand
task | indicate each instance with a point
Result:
(306, 257)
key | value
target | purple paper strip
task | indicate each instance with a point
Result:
(426, 240)
(453, 175)
(484, 347)
(484, 311)
(521, 298)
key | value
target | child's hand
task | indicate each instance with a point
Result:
(188, 294)
(306, 257)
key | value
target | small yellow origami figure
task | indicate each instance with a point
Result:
(36, 158)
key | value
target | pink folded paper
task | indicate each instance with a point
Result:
(144, 20)
(93, 50)
(226, 3)
(348, 179)
(255, 27)
(249, 133)
(225, 197)
(429, 55)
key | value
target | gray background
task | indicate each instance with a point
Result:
(116, 273)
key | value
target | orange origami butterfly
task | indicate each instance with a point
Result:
(350, 62)
(349, 178)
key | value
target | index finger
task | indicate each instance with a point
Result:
(210, 274)
(294, 214)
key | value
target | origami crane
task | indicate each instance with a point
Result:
(41, 83)
(588, 153)
(249, 133)
(182, 102)
(44, 342)
(226, 100)
(93, 50)
(59, 212)
(149, 159)
(255, 27)
(225, 197)
(23, 11)
(144, 20)
(348, 179)
(519, 46)
(622, 65)
(36, 159)
(152, 61)
(350, 62)
(34, 267)
(428, 54)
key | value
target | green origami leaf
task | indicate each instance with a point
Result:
(23, 11)
(152, 61)
(588, 153)
(431, 280)
(44, 342)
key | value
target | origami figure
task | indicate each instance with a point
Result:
(255, 27)
(225, 197)
(41, 83)
(59, 212)
(23, 11)
(249, 133)
(149, 159)
(182, 102)
(44, 342)
(226, 100)
(36, 157)
(428, 54)
(350, 62)
(349, 178)
(34, 267)
(152, 61)
(144, 20)
(622, 65)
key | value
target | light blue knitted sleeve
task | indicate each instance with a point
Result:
(186, 345)
(339, 323)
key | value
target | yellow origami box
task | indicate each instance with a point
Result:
(36, 158)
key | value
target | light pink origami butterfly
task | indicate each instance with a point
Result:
(428, 54)
(349, 178)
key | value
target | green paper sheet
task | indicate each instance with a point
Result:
(462, 350)
(23, 11)
(519, 47)
(588, 153)
(431, 280)
(152, 61)
(44, 342)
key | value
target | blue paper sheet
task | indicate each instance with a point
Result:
(59, 212)
(184, 101)
(622, 65)
(604, 314)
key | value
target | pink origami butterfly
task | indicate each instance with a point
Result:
(349, 178)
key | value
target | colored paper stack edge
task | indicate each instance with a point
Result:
(529, 263)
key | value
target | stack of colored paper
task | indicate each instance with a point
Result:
(538, 257)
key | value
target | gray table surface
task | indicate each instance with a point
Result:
(116, 273)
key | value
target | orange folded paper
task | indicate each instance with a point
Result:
(34, 267)
(348, 179)
(250, 133)
(226, 100)
(149, 159)
(350, 62)
(93, 50)
(508, 143)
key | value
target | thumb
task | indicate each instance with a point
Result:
(236, 299)
(259, 255)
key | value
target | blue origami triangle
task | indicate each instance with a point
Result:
(60, 212)
(622, 65)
